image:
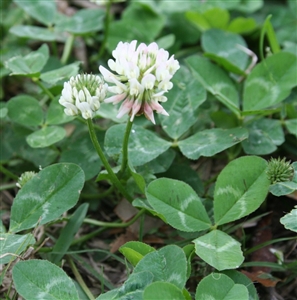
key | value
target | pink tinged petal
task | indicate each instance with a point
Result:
(125, 108)
(142, 48)
(148, 112)
(115, 99)
(148, 81)
(158, 108)
(135, 109)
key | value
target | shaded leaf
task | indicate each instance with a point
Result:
(270, 82)
(215, 80)
(162, 264)
(143, 146)
(211, 141)
(46, 136)
(12, 245)
(162, 290)
(289, 220)
(50, 193)
(184, 98)
(25, 110)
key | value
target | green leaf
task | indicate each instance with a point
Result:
(42, 11)
(56, 115)
(184, 99)
(46, 136)
(242, 25)
(215, 80)
(264, 136)
(134, 24)
(283, 188)
(240, 189)
(240, 278)
(162, 290)
(80, 150)
(179, 204)
(52, 77)
(29, 65)
(215, 17)
(220, 286)
(39, 279)
(67, 234)
(160, 164)
(143, 145)
(162, 264)
(249, 6)
(270, 82)
(84, 21)
(211, 141)
(14, 244)
(219, 250)
(25, 110)
(135, 251)
(222, 47)
(50, 193)
(292, 126)
(132, 289)
(39, 156)
(138, 179)
(36, 33)
(289, 220)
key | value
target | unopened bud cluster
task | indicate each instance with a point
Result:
(82, 95)
(279, 170)
(24, 178)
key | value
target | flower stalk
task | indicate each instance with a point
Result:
(105, 162)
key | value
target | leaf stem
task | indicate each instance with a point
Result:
(8, 173)
(7, 186)
(106, 164)
(67, 49)
(46, 91)
(79, 278)
(125, 147)
(115, 225)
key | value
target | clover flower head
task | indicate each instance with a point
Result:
(24, 178)
(279, 170)
(82, 95)
(140, 78)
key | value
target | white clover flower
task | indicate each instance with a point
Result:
(82, 95)
(142, 77)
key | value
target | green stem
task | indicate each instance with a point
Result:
(88, 236)
(80, 279)
(125, 147)
(115, 225)
(67, 49)
(8, 186)
(106, 164)
(106, 29)
(46, 91)
(8, 173)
